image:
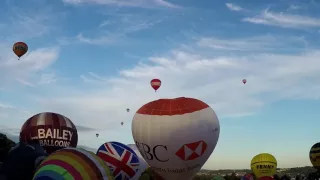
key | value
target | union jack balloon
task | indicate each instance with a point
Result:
(122, 160)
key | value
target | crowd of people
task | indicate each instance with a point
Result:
(19, 160)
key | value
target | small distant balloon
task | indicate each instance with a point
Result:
(128, 110)
(122, 123)
(20, 49)
(155, 84)
(97, 135)
(244, 81)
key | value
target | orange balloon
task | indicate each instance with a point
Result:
(20, 48)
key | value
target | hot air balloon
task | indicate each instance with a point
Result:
(97, 135)
(264, 165)
(20, 48)
(53, 130)
(248, 176)
(143, 164)
(122, 160)
(176, 136)
(244, 81)
(122, 123)
(155, 84)
(128, 110)
(73, 163)
(266, 178)
(315, 156)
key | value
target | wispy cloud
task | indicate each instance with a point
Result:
(294, 7)
(93, 78)
(234, 7)
(24, 82)
(258, 43)
(284, 20)
(126, 25)
(27, 23)
(105, 23)
(105, 39)
(130, 3)
(33, 65)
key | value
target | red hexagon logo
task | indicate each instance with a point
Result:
(192, 151)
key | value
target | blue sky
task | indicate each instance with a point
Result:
(92, 59)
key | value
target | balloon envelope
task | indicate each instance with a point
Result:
(176, 136)
(54, 131)
(266, 178)
(155, 84)
(20, 48)
(122, 160)
(263, 165)
(248, 176)
(314, 155)
(73, 163)
(143, 164)
(244, 81)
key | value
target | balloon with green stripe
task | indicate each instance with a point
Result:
(73, 164)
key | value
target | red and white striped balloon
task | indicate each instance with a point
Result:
(155, 84)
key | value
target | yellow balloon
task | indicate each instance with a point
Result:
(315, 155)
(264, 165)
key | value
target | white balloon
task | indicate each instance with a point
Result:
(176, 136)
(143, 164)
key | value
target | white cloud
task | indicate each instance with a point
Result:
(130, 3)
(215, 79)
(294, 7)
(29, 69)
(258, 43)
(106, 39)
(284, 20)
(126, 25)
(234, 7)
(26, 23)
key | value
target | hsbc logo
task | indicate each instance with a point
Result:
(192, 151)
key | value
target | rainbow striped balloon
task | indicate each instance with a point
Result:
(73, 164)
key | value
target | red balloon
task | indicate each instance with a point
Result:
(155, 84)
(54, 131)
(266, 178)
(244, 81)
(20, 48)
